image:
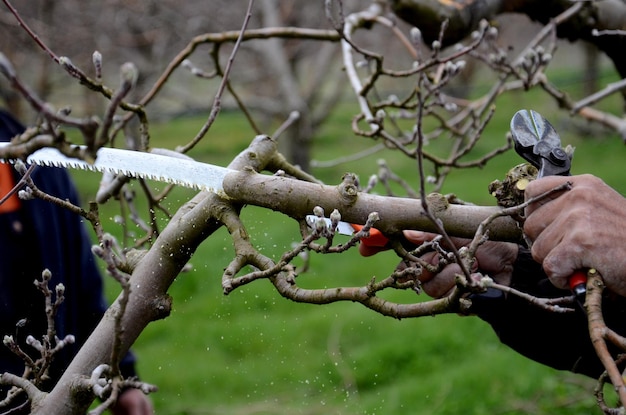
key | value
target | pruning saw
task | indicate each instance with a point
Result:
(207, 177)
(162, 168)
(137, 164)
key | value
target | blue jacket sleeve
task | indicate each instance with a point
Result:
(65, 248)
(42, 235)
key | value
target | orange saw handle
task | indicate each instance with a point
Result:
(376, 237)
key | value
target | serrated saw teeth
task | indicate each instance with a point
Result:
(182, 172)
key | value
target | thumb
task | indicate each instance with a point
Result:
(418, 237)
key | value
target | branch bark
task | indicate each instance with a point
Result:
(464, 17)
(297, 199)
(157, 269)
(148, 300)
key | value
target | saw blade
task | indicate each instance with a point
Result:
(343, 228)
(174, 170)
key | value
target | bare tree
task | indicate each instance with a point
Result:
(149, 34)
(382, 118)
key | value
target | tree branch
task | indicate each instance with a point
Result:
(396, 214)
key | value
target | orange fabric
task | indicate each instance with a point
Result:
(6, 184)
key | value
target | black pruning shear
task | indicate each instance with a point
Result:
(537, 142)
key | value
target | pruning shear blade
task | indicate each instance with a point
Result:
(537, 141)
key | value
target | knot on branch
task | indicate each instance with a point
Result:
(349, 188)
(131, 258)
(257, 155)
(437, 202)
(162, 307)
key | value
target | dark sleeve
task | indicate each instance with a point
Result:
(559, 340)
(62, 245)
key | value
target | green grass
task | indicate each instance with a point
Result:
(253, 352)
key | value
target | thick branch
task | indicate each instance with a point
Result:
(464, 17)
(150, 280)
(297, 199)
(600, 333)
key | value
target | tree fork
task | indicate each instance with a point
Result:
(151, 278)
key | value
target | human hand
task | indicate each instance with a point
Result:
(132, 402)
(494, 259)
(578, 229)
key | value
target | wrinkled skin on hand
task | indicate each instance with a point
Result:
(578, 229)
(571, 230)
(494, 259)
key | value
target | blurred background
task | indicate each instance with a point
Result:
(253, 352)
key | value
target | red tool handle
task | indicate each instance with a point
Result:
(578, 284)
(376, 237)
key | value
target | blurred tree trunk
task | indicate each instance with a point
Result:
(592, 68)
(12, 100)
(46, 13)
(301, 75)
(296, 143)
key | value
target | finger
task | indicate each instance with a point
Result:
(538, 187)
(546, 232)
(536, 222)
(430, 258)
(438, 284)
(559, 265)
(418, 237)
(445, 281)
(547, 211)
(559, 256)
